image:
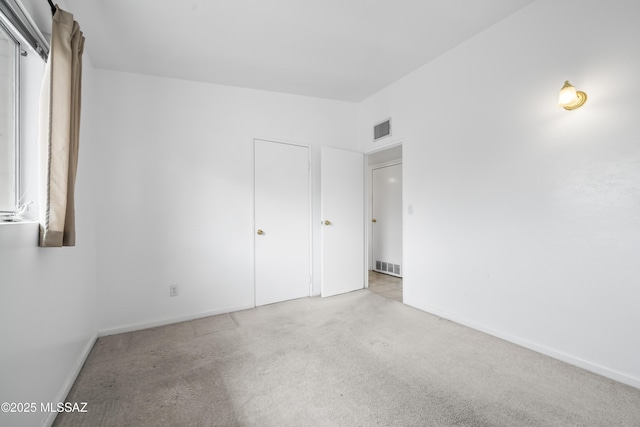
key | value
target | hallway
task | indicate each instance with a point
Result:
(385, 285)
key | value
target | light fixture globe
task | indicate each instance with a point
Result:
(570, 98)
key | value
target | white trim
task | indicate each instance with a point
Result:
(556, 354)
(280, 141)
(253, 220)
(392, 143)
(168, 321)
(384, 165)
(71, 378)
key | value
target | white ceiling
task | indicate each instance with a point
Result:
(338, 49)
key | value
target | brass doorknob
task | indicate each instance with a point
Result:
(374, 220)
(260, 232)
(327, 222)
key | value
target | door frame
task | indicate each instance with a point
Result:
(369, 195)
(253, 206)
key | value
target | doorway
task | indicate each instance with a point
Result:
(386, 222)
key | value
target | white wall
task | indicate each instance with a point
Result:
(176, 191)
(526, 219)
(48, 303)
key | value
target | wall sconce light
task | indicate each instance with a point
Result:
(570, 98)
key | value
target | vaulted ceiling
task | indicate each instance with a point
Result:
(337, 49)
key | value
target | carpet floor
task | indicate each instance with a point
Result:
(352, 360)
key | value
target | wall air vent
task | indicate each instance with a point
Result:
(387, 267)
(381, 130)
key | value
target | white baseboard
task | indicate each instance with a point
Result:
(71, 378)
(168, 321)
(567, 358)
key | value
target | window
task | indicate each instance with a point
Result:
(9, 152)
(23, 50)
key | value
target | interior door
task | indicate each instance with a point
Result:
(342, 195)
(282, 222)
(386, 214)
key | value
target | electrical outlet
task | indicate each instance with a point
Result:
(173, 290)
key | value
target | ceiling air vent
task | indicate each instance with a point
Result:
(382, 129)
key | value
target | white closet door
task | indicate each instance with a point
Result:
(342, 194)
(282, 222)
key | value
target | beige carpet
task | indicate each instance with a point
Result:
(352, 360)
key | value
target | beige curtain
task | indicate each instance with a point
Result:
(59, 132)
